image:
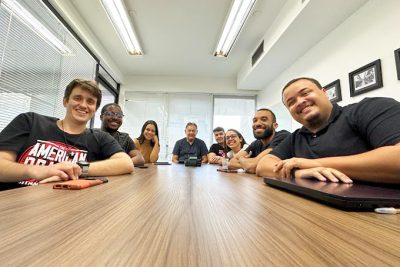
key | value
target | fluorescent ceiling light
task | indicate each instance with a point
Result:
(240, 10)
(31, 22)
(118, 15)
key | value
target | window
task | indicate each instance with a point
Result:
(171, 111)
(235, 112)
(33, 73)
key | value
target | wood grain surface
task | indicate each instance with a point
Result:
(185, 216)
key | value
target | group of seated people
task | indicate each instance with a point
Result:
(358, 141)
(231, 144)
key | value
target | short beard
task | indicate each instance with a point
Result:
(268, 132)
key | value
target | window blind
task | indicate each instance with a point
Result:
(171, 111)
(33, 73)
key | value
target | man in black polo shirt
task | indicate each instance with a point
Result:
(190, 146)
(264, 125)
(358, 141)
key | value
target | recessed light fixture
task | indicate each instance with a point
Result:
(237, 17)
(118, 15)
(35, 25)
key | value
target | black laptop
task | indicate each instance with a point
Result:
(356, 196)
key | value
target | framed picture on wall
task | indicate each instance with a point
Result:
(397, 59)
(333, 91)
(366, 78)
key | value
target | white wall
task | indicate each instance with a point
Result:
(183, 84)
(369, 34)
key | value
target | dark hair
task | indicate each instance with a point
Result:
(141, 137)
(270, 111)
(314, 81)
(218, 129)
(106, 106)
(87, 85)
(243, 142)
(191, 124)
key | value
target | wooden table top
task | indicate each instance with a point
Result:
(184, 216)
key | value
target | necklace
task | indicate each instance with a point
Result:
(70, 154)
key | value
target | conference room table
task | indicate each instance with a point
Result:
(187, 216)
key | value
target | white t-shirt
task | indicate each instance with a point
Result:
(231, 154)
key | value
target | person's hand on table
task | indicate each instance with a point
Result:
(323, 174)
(53, 173)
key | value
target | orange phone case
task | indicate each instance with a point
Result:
(77, 184)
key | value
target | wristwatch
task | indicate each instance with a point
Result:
(84, 167)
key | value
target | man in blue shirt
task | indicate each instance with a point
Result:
(190, 146)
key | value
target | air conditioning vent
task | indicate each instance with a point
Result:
(257, 53)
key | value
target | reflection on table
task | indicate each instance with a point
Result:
(186, 216)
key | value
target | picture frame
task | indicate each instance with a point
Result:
(334, 91)
(397, 59)
(366, 78)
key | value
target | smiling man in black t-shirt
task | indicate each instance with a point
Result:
(264, 130)
(111, 119)
(218, 150)
(38, 149)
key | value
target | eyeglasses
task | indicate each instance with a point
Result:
(233, 136)
(119, 115)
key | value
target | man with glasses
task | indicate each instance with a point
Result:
(111, 119)
(264, 130)
(38, 149)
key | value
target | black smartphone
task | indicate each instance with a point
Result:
(103, 179)
(142, 166)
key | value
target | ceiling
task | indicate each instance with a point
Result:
(179, 36)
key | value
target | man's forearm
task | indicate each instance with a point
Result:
(13, 171)
(119, 163)
(175, 159)
(234, 164)
(378, 165)
(265, 166)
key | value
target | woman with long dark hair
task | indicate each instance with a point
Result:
(148, 142)
(235, 141)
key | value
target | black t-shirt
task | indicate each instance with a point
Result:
(218, 150)
(37, 140)
(124, 141)
(258, 146)
(350, 130)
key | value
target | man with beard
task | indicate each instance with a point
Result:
(358, 141)
(264, 125)
(111, 119)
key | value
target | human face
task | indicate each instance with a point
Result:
(81, 105)
(307, 104)
(219, 137)
(149, 132)
(233, 141)
(111, 119)
(263, 125)
(191, 132)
